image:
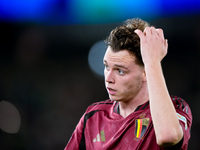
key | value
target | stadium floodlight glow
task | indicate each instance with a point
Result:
(95, 58)
(10, 119)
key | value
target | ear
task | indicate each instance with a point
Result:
(144, 77)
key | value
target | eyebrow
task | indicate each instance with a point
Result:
(121, 66)
(116, 65)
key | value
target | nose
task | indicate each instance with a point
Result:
(109, 76)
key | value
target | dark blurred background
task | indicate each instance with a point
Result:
(46, 81)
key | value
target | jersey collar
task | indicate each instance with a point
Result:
(140, 107)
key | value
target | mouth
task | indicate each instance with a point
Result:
(111, 91)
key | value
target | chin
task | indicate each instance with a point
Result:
(114, 98)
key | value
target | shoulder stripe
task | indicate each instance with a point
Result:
(109, 102)
(82, 145)
(180, 103)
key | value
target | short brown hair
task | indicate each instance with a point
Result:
(124, 38)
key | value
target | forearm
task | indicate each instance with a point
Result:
(165, 121)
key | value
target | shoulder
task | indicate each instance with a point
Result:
(102, 105)
(180, 103)
(109, 101)
(182, 109)
(184, 116)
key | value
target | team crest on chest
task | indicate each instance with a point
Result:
(141, 126)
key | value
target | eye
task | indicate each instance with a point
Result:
(121, 72)
(106, 66)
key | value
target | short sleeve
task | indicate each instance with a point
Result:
(75, 139)
(185, 118)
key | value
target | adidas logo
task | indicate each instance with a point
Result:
(100, 137)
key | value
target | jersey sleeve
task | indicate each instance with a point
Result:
(185, 118)
(75, 140)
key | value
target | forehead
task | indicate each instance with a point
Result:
(120, 57)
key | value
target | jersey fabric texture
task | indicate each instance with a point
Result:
(103, 128)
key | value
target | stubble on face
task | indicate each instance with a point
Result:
(127, 86)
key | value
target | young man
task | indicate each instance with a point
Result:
(140, 113)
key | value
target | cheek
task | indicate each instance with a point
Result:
(133, 83)
(125, 84)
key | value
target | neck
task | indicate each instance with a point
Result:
(126, 108)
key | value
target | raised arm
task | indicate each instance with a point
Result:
(153, 49)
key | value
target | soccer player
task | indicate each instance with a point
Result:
(140, 114)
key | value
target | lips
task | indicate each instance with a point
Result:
(111, 91)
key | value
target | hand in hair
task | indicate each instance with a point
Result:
(153, 45)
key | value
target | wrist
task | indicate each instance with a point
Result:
(152, 64)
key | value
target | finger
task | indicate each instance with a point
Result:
(160, 33)
(153, 31)
(147, 31)
(139, 33)
(166, 43)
